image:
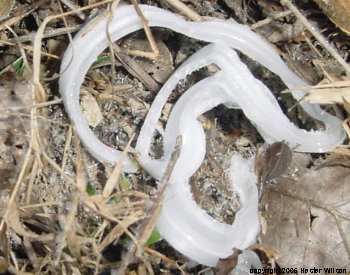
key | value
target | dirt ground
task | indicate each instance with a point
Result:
(58, 213)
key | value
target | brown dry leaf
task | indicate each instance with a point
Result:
(225, 266)
(272, 161)
(307, 219)
(91, 109)
(338, 11)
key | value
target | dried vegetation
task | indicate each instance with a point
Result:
(62, 212)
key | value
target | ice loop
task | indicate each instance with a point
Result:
(182, 223)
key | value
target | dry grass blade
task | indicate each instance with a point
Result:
(114, 178)
(270, 19)
(49, 33)
(116, 232)
(335, 92)
(147, 29)
(21, 48)
(33, 174)
(147, 226)
(346, 125)
(136, 70)
(164, 258)
(80, 175)
(27, 48)
(13, 221)
(68, 227)
(66, 147)
(11, 202)
(185, 10)
(73, 7)
(111, 8)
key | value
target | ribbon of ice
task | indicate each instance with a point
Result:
(182, 223)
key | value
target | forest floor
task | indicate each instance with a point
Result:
(58, 212)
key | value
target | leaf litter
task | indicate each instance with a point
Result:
(63, 212)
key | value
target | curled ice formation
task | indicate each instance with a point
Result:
(182, 223)
(92, 40)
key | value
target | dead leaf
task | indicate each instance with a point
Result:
(338, 11)
(308, 220)
(272, 161)
(91, 109)
(225, 266)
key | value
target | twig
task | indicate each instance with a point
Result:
(38, 105)
(111, 8)
(147, 226)
(49, 33)
(182, 8)
(147, 29)
(21, 49)
(73, 7)
(164, 258)
(270, 19)
(67, 145)
(32, 178)
(317, 34)
(68, 225)
(114, 178)
(135, 69)
(27, 48)
(27, 160)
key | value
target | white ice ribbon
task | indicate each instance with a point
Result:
(187, 227)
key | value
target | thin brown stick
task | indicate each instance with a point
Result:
(185, 10)
(50, 33)
(73, 7)
(164, 258)
(67, 145)
(147, 226)
(113, 179)
(111, 8)
(38, 105)
(27, 159)
(317, 35)
(135, 69)
(27, 48)
(268, 20)
(32, 178)
(147, 29)
(21, 49)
